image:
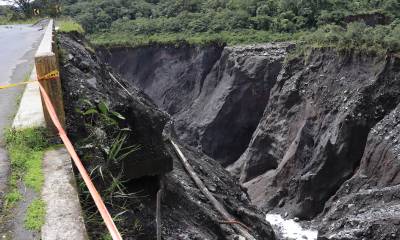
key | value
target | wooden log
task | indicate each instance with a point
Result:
(46, 62)
(52, 86)
(214, 202)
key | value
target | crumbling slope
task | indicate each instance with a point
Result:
(329, 119)
(297, 141)
(186, 213)
(368, 205)
(215, 94)
(85, 79)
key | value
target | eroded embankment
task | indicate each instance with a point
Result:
(216, 94)
(106, 113)
(324, 128)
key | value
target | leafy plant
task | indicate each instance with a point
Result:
(118, 152)
(105, 147)
(107, 142)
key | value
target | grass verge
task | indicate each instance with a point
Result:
(26, 149)
(69, 25)
(8, 21)
(35, 214)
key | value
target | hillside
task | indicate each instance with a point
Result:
(141, 22)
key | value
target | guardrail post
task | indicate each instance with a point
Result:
(46, 62)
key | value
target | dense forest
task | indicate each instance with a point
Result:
(363, 23)
(372, 24)
(194, 16)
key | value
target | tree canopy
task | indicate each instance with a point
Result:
(365, 24)
(155, 16)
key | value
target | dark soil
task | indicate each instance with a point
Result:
(186, 213)
(313, 137)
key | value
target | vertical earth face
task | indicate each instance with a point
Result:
(216, 95)
(313, 136)
(186, 212)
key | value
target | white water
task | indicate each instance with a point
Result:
(289, 229)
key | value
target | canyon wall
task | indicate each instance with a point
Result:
(305, 136)
(88, 85)
(217, 95)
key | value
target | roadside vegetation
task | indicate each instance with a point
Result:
(361, 24)
(104, 145)
(318, 22)
(35, 215)
(11, 15)
(67, 25)
(26, 149)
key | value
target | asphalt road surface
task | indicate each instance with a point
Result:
(18, 44)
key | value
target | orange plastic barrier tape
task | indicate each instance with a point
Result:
(92, 189)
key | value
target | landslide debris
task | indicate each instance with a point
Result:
(312, 137)
(186, 213)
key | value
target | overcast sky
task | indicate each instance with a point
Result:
(2, 2)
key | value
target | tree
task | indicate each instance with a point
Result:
(25, 6)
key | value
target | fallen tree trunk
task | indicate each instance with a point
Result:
(217, 205)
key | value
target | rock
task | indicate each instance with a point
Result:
(70, 57)
(211, 188)
(238, 237)
(281, 203)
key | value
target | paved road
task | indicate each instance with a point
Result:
(18, 44)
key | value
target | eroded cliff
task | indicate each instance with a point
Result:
(217, 95)
(102, 107)
(310, 136)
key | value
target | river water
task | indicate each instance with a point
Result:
(290, 229)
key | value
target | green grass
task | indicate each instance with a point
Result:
(123, 39)
(35, 215)
(11, 198)
(67, 25)
(8, 21)
(26, 150)
(106, 236)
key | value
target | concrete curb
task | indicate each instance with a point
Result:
(64, 220)
(30, 111)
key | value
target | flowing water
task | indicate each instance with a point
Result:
(290, 229)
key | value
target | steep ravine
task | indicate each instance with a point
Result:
(217, 95)
(310, 136)
(93, 94)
